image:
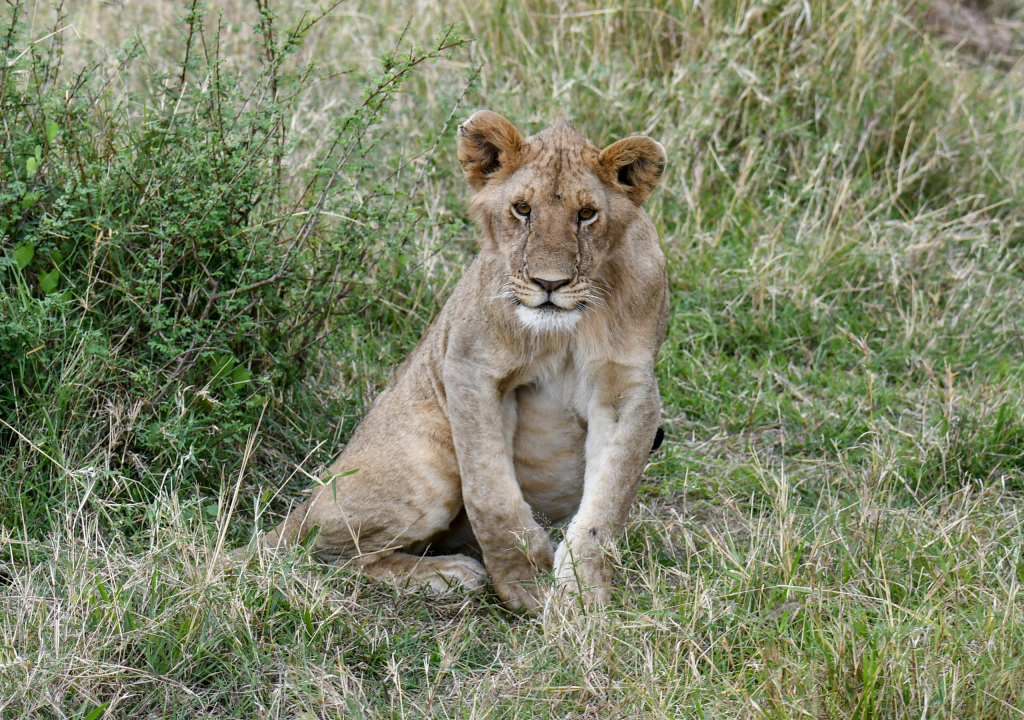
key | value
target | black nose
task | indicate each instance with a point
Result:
(551, 285)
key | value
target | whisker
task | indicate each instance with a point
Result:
(603, 288)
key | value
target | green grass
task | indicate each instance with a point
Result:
(832, 529)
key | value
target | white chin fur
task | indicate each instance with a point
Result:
(547, 321)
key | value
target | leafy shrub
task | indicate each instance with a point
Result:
(166, 275)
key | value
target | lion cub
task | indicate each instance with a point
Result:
(531, 398)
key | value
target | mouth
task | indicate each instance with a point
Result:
(548, 317)
(547, 306)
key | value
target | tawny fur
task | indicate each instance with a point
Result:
(520, 406)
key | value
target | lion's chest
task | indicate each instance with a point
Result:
(549, 439)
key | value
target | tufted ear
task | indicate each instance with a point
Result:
(489, 146)
(635, 165)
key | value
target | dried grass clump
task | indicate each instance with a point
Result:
(983, 30)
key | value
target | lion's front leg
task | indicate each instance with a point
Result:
(622, 423)
(514, 546)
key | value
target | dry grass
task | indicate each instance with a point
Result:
(857, 608)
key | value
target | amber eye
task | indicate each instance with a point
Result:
(521, 209)
(587, 214)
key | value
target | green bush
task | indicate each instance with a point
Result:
(167, 276)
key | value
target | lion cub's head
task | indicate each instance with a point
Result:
(555, 206)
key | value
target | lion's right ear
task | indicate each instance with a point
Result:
(489, 148)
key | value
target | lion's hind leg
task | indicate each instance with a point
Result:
(384, 529)
(441, 572)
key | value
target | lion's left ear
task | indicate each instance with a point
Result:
(635, 164)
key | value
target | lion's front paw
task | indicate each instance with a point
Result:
(514, 571)
(517, 583)
(537, 547)
(581, 576)
(570, 594)
(525, 596)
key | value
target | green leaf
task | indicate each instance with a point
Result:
(23, 255)
(31, 164)
(96, 712)
(38, 152)
(58, 257)
(29, 200)
(51, 131)
(222, 365)
(48, 282)
(241, 376)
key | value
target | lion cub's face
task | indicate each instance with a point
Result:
(555, 206)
